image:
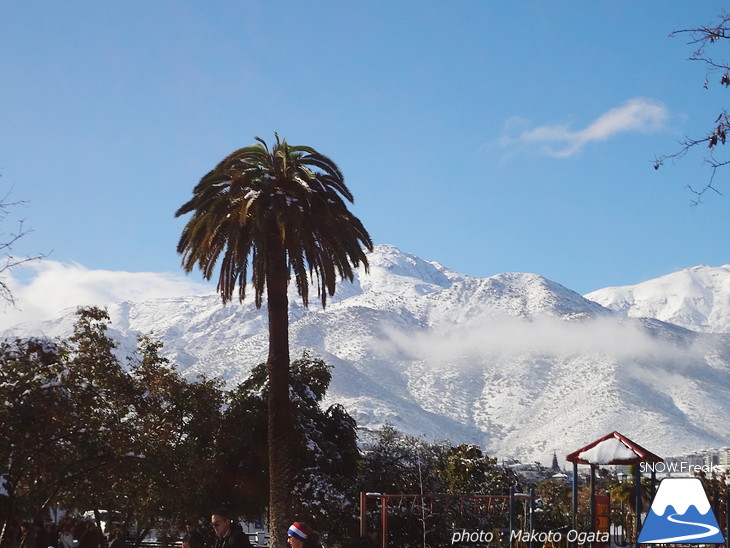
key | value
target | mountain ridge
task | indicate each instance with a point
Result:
(514, 362)
(697, 298)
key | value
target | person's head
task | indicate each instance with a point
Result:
(297, 534)
(221, 520)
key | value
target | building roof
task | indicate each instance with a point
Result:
(613, 448)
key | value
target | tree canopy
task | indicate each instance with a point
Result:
(87, 428)
(84, 429)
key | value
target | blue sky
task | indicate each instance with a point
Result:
(488, 136)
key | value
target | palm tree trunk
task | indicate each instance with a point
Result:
(280, 422)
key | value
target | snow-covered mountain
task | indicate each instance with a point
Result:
(515, 362)
(697, 298)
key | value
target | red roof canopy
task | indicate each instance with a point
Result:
(614, 448)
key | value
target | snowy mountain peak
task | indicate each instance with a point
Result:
(391, 269)
(531, 295)
(696, 298)
(514, 362)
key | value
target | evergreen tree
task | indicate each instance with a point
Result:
(34, 410)
(324, 447)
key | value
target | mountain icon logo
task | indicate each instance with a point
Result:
(680, 514)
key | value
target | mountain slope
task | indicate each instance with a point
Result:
(697, 298)
(515, 362)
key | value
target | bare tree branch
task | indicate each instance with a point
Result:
(702, 37)
(7, 242)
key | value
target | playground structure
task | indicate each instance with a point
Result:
(492, 508)
(507, 521)
(613, 449)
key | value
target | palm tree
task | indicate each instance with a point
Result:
(285, 209)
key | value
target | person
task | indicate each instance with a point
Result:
(117, 538)
(51, 536)
(301, 535)
(27, 535)
(192, 537)
(92, 537)
(228, 534)
(66, 537)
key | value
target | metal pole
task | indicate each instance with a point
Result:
(511, 515)
(592, 502)
(575, 499)
(363, 513)
(532, 512)
(384, 520)
(593, 499)
(727, 519)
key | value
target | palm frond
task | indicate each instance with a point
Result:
(291, 193)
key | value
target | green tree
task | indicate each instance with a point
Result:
(469, 470)
(98, 428)
(286, 209)
(401, 464)
(66, 403)
(164, 474)
(33, 412)
(324, 445)
(623, 497)
(81, 430)
(326, 452)
(554, 504)
(149, 433)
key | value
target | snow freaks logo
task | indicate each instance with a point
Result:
(680, 514)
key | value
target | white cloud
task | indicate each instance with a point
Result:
(561, 140)
(509, 337)
(43, 289)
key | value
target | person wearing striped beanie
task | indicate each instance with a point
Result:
(300, 535)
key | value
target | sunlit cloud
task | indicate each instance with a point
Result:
(638, 115)
(43, 290)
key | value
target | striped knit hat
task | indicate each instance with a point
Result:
(298, 531)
